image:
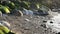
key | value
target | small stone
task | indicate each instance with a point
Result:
(44, 21)
(43, 25)
(27, 19)
(26, 29)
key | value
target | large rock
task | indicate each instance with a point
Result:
(5, 23)
(27, 12)
(0, 14)
(43, 10)
(17, 13)
(40, 12)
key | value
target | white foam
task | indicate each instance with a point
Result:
(55, 26)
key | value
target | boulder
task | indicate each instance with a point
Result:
(43, 10)
(27, 12)
(5, 23)
(17, 12)
(0, 14)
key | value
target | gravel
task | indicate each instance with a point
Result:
(27, 24)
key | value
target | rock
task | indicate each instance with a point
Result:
(17, 13)
(19, 33)
(56, 10)
(44, 21)
(0, 14)
(3, 29)
(27, 12)
(43, 10)
(4, 9)
(43, 25)
(27, 20)
(52, 13)
(33, 6)
(5, 23)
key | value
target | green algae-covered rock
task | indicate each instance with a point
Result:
(25, 4)
(4, 30)
(9, 4)
(4, 9)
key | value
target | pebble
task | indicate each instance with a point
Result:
(44, 21)
(27, 19)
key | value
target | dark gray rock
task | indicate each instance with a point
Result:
(43, 10)
(17, 12)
